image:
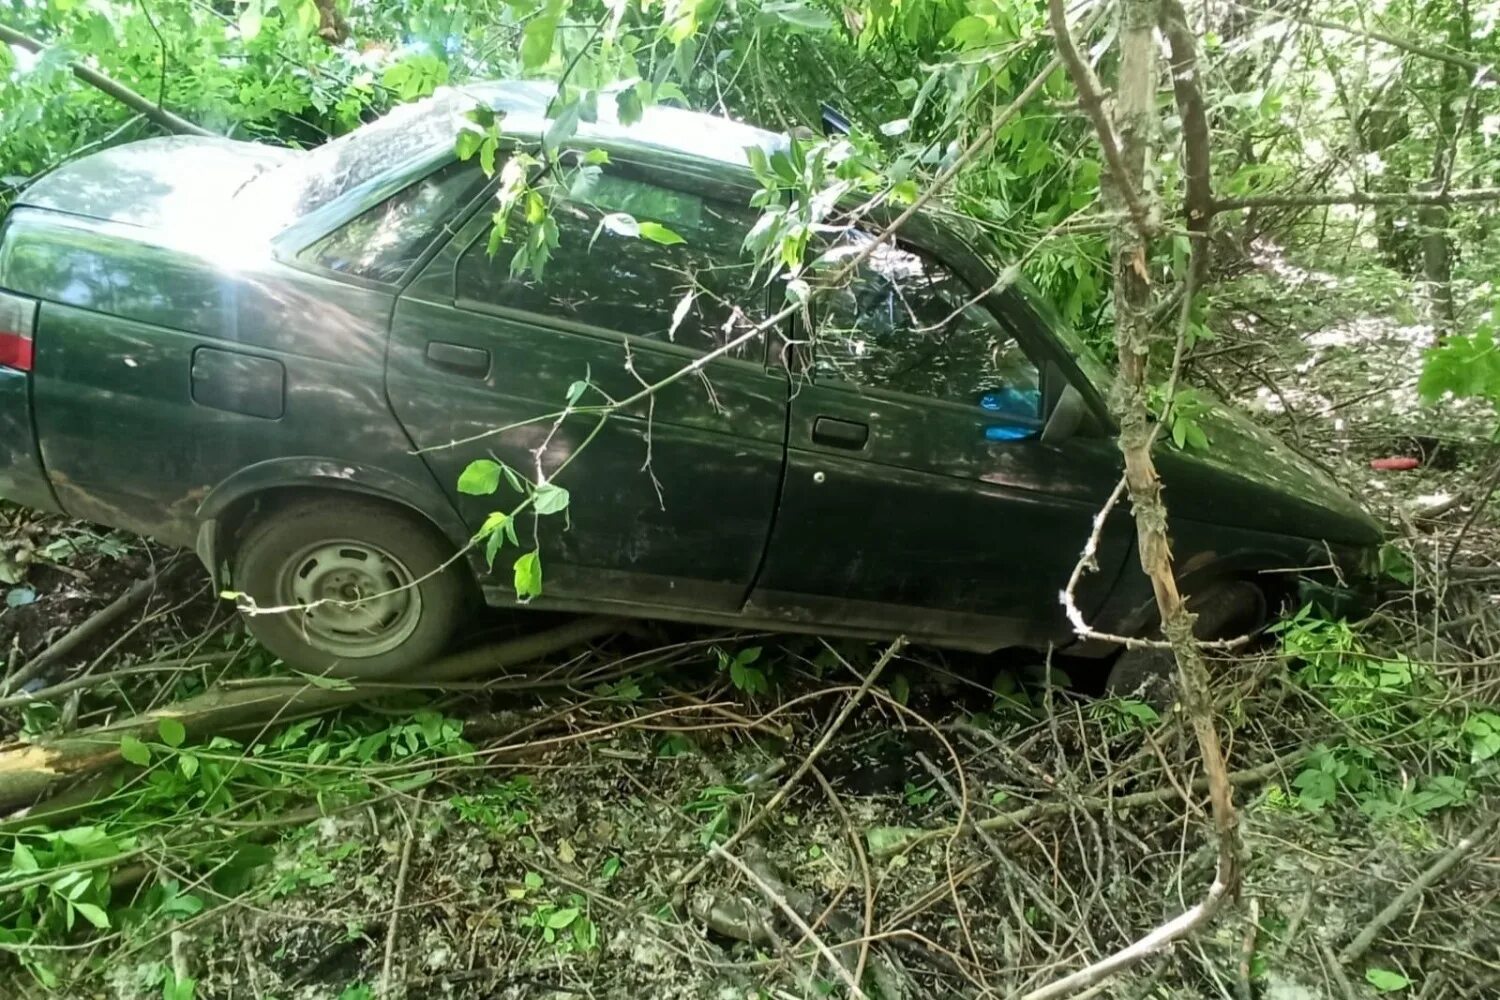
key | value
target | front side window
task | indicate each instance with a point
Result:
(699, 292)
(905, 323)
(382, 243)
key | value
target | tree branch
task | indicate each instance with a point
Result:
(1091, 99)
(115, 89)
(1357, 198)
(1198, 201)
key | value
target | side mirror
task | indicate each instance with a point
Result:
(1068, 415)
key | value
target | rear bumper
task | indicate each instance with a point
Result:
(22, 479)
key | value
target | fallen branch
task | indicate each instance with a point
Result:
(136, 102)
(897, 841)
(769, 809)
(780, 903)
(98, 680)
(1164, 935)
(394, 923)
(90, 628)
(1435, 871)
(27, 770)
(1357, 198)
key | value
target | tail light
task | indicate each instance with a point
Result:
(17, 324)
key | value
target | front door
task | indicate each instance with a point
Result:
(670, 500)
(919, 497)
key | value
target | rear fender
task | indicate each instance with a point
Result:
(231, 500)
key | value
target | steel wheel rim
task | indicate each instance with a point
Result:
(358, 599)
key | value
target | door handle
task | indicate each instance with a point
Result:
(838, 433)
(458, 359)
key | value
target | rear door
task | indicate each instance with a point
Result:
(919, 497)
(671, 499)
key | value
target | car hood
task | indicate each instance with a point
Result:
(1249, 478)
(173, 182)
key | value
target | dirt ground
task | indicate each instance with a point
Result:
(976, 827)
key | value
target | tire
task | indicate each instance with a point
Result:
(382, 601)
(1226, 610)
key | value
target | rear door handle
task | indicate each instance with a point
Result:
(838, 433)
(458, 359)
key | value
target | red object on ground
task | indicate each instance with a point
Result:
(1395, 464)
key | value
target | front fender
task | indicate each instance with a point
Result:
(319, 474)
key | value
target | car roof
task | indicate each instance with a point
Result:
(691, 134)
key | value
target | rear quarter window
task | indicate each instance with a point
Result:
(384, 242)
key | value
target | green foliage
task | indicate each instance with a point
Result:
(1464, 366)
(742, 670)
(502, 809)
(1123, 715)
(1381, 702)
(56, 883)
(714, 808)
(1182, 417)
(1385, 980)
(917, 796)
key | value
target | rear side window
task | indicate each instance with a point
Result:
(385, 241)
(699, 292)
(906, 323)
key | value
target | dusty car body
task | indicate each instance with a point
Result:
(212, 342)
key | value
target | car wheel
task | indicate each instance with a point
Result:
(1224, 611)
(372, 591)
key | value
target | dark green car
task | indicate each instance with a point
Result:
(286, 360)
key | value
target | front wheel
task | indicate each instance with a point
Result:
(1225, 611)
(365, 590)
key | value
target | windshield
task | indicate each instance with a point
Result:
(325, 172)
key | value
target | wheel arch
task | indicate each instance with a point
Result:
(1199, 574)
(256, 490)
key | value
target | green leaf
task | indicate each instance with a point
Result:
(658, 233)
(596, 157)
(576, 391)
(528, 576)
(803, 16)
(134, 751)
(93, 914)
(467, 144)
(558, 919)
(536, 39)
(22, 860)
(172, 732)
(188, 764)
(250, 21)
(480, 478)
(1385, 980)
(628, 107)
(563, 127)
(533, 880)
(550, 499)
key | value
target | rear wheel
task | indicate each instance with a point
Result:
(369, 592)
(1226, 610)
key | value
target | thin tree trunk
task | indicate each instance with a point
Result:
(1126, 140)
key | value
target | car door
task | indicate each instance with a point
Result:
(919, 496)
(671, 499)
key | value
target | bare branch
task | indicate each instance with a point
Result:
(1310, 200)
